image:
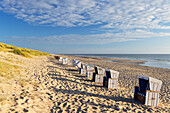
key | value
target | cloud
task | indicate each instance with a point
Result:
(119, 14)
(97, 39)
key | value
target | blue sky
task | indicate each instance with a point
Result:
(87, 26)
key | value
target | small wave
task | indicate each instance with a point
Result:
(162, 60)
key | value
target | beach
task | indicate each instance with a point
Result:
(46, 86)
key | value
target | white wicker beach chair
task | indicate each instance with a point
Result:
(78, 64)
(111, 79)
(68, 62)
(89, 71)
(74, 62)
(82, 70)
(65, 61)
(60, 59)
(99, 74)
(148, 90)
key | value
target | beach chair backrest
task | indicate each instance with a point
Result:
(114, 74)
(97, 69)
(100, 70)
(143, 83)
(89, 67)
(154, 84)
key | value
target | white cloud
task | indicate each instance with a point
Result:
(120, 14)
(91, 39)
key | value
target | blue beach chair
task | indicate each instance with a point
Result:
(148, 90)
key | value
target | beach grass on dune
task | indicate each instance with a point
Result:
(21, 51)
(7, 70)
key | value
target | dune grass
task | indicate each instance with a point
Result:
(21, 51)
(7, 70)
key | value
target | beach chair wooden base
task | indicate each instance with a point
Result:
(140, 98)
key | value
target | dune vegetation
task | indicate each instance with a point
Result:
(8, 70)
(14, 67)
(21, 51)
(8, 67)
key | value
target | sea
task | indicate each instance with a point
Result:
(153, 60)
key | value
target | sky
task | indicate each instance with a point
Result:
(87, 26)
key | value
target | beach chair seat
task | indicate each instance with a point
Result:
(111, 79)
(65, 61)
(98, 74)
(148, 90)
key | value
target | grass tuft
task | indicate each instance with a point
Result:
(7, 70)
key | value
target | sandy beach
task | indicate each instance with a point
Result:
(44, 85)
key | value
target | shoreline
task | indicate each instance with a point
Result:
(130, 72)
(127, 61)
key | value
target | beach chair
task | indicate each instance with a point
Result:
(68, 62)
(78, 64)
(111, 79)
(65, 61)
(89, 71)
(60, 59)
(82, 70)
(57, 57)
(148, 90)
(98, 75)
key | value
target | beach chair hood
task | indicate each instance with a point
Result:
(114, 74)
(78, 63)
(153, 83)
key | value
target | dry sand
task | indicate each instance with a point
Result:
(53, 87)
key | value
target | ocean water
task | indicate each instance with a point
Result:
(153, 60)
